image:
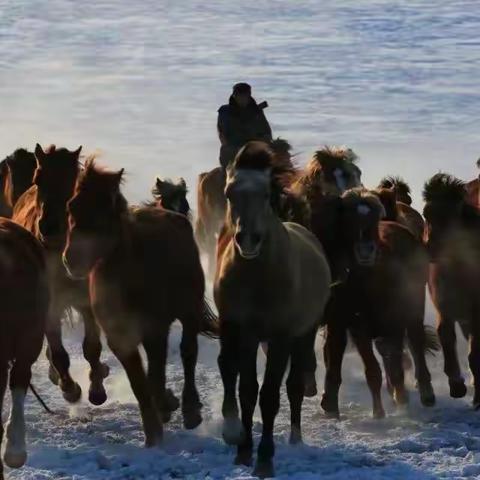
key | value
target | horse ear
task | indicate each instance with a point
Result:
(158, 182)
(77, 151)
(182, 183)
(39, 153)
(119, 176)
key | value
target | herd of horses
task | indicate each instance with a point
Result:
(290, 250)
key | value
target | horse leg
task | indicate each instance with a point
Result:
(60, 361)
(132, 363)
(191, 405)
(248, 389)
(156, 348)
(3, 386)
(373, 372)
(417, 344)
(300, 359)
(92, 349)
(228, 358)
(391, 350)
(448, 340)
(277, 360)
(310, 366)
(474, 362)
(333, 351)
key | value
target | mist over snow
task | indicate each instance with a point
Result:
(140, 83)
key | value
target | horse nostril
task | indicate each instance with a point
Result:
(256, 238)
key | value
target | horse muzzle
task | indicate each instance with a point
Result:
(248, 245)
(72, 273)
(366, 253)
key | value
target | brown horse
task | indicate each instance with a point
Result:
(402, 211)
(24, 300)
(453, 238)
(145, 272)
(212, 205)
(272, 284)
(171, 195)
(16, 174)
(381, 297)
(42, 211)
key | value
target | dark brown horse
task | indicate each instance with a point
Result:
(16, 174)
(42, 211)
(212, 205)
(145, 272)
(24, 300)
(381, 297)
(402, 211)
(171, 195)
(272, 284)
(453, 239)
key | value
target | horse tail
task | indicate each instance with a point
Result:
(209, 326)
(432, 344)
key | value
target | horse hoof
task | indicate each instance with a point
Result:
(233, 432)
(154, 440)
(428, 400)
(15, 459)
(457, 388)
(53, 375)
(378, 413)
(401, 398)
(310, 385)
(330, 407)
(171, 402)
(97, 397)
(73, 394)
(264, 469)
(244, 458)
(192, 418)
(295, 436)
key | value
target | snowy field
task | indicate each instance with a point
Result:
(140, 83)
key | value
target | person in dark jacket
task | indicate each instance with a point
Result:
(241, 121)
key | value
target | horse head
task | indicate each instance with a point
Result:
(172, 195)
(399, 186)
(95, 214)
(55, 176)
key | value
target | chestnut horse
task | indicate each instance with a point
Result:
(212, 205)
(402, 212)
(452, 235)
(381, 297)
(24, 299)
(16, 174)
(42, 211)
(171, 196)
(145, 272)
(271, 285)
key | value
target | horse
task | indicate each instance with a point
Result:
(212, 205)
(144, 272)
(473, 190)
(42, 211)
(403, 212)
(16, 174)
(452, 235)
(271, 285)
(381, 296)
(171, 195)
(24, 299)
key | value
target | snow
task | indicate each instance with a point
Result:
(140, 82)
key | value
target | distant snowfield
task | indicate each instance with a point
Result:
(85, 442)
(140, 83)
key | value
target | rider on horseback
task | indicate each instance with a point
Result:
(241, 121)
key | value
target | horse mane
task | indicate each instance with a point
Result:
(395, 181)
(445, 188)
(360, 195)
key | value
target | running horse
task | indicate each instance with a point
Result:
(42, 211)
(171, 195)
(452, 236)
(272, 284)
(144, 272)
(24, 300)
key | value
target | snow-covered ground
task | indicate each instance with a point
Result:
(140, 82)
(85, 442)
